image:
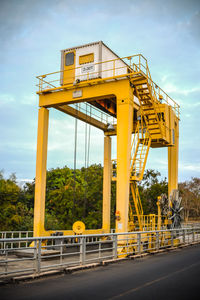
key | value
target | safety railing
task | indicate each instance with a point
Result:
(62, 252)
(93, 112)
(148, 222)
(119, 68)
(139, 151)
(13, 235)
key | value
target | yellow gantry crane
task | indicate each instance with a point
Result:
(123, 101)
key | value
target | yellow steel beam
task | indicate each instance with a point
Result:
(114, 132)
(71, 232)
(81, 116)
(136, 204)
(89, 93)
(124, 130)
(173, 160)
(40, 179)
(106, 183)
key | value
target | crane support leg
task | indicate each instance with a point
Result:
(106, 183)
(124, 131)
(173, 162)
(40, 181)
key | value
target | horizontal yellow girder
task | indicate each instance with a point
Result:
(70, 232)
(89, 93)
(81, 116)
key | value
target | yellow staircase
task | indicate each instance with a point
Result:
(139, 152)
(149, 104)
(136, 203)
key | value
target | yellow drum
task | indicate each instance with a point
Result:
(78, 227)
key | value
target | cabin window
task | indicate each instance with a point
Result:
(69, 59)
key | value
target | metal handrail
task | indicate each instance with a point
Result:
(133, 64)
(59, 252)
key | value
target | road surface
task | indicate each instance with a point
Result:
(174, 275)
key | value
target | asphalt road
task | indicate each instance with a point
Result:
(174, 275)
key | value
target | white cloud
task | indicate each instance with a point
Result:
(31, 99)
(13, 145)
(172, 88)
(6, 98)
(189, 167)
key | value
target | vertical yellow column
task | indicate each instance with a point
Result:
(173, 161)
(40, 179)
(106, 183)
(124, 131)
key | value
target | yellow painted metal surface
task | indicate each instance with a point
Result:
(137, 204)
(140, 148)
(89, 93)
(159, 117)
(173, 159)
(69, 67)
(78, 227)
(124, 131)
(107, 184)
(40, 178)
(86, 58)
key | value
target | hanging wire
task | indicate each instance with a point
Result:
(89, 131)
(85, 177)
(75, 152)
(87, 154)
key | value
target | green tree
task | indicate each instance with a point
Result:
(14, 214)
(190, 193)
(150, 188)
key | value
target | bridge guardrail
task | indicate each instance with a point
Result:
(60, 252)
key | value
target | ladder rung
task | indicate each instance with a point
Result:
(155, 127)
(150, 114)
(145, 95)
(156, 132)
(147, 107)
(139, 81)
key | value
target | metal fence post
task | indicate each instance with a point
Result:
(39, 256)
(172, 239)
(139, 242)
(61, 251)
(183, 236)
(193, 237)
(187, 236)
(114, 246)
(157, 241)
(35, 256)
(82, 250)
(6, 264)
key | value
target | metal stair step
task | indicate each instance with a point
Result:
(143, 89)
(144, 95)
(152, 117)
(155, 124)
(151, 112)
(139, 81)
(147, 107)
(153, 128)
(154, 131)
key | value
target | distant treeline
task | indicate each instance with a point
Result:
(72, 196)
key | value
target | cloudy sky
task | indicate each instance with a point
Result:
(32, 33)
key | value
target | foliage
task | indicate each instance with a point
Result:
(150, 188)
(14, 213)
(190, 193)
(72, 196)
